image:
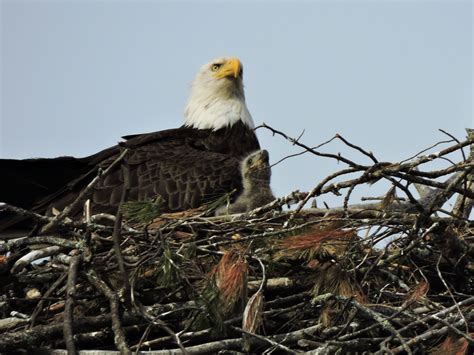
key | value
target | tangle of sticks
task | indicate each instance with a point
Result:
(393, 274)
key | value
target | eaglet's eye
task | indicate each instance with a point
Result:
(250, 161)
(216, 67)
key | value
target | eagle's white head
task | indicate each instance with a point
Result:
(217, 98)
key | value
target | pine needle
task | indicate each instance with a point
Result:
(169, 273)
(231, 279)
(220, 201)
(212, 315)
(143, 211)
(419, 291)
(314, 245)
(331, 278)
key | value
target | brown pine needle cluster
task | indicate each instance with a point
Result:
(231, 279)
(316, 245)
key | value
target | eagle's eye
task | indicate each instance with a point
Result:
(216, 67)
(250, 161)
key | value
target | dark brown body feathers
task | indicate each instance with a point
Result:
(186, 167)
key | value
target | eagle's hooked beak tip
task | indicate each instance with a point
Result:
(231, 68)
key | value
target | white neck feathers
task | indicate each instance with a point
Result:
(215, 104)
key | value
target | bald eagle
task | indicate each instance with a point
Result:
(186, 166)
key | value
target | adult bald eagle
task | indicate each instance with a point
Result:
(186, 166)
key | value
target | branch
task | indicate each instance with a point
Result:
(68, 331)
(83, 195)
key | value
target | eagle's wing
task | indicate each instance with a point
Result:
(185, 166)
(183, 175)
(178, 165)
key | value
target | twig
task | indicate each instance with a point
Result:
(101, 286)
(309, 149)
(117, 232)
(383, 322)
(266, 339)
(18, 243)
(68, 331)
(49, 292)
(440, 275)
(427, 335)
(83, 194)
(356, 147)
(34, 255)
(21, 339)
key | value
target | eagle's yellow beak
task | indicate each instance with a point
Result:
(231, 68)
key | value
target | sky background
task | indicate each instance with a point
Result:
(78, 75)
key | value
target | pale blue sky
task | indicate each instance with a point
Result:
(77, 75)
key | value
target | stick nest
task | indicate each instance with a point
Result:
(393, 276)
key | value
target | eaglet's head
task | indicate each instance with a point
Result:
(256, 170)
(217, 98)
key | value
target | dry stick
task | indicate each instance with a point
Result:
(425, 150)
(289, 199)
(48, 293)
(18, 243)
(384, 323)
(427, 335)
(258, 236)
(445, 284)
(206, 332)
(456, 140)
(373, 326)
(422, 190)
(389, 218)
(463, 205)
(348, 196)
(441, 172)
(34, 255)
(408, 166)
(467, 302)
(334, 187)
(455, 330)
(163, 325)
(215, 346)
(440, 185)
(446, 193)
(430, 195)
(267, 340)
(356, 147)
(318, 189)
(405, 251)
(45, 219)
(303, 151)
(117, 231)
(206, 348)
(309, 149)
(68, 331)
(24, 213)
(83, 195)
(101, 286)
(184, 336)
(136, 348)
(407, 192)
(389, 169)
(43, 333)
